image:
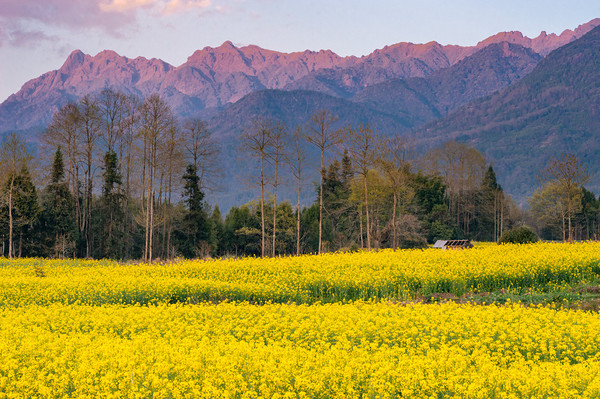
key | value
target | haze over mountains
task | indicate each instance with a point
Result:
(396, 89)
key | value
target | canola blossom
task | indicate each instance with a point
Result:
(385, 274)
(232, 350)
(316, 326)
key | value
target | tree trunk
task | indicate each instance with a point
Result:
(170, 253)
(88, 207)
(321, 203)
(151, 224)
(262, 206)
(570, 228)
(501, 217)
(298, 220)
(394, 227)
(360, 223)
(274, 207)
(10, 218)
(368, 225)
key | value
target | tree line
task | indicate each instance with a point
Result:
(126, 179)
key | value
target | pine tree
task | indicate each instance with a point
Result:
(195, 235)
(57, 222)
(112, 205)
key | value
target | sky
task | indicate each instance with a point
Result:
(36, 36)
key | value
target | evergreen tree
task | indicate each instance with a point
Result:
(431, 208)
(340, 215)
(217, 230)
(57, 227)
(242, 231)
(488, 223)
(26, 212)
(194, 237)
(113, 214)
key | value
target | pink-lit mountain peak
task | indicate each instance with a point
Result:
(213, 77)
(544, 43)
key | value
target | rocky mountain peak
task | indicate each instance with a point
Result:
(73, 61)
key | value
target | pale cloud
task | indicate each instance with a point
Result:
(161, 7)
(29, 21)
(176, 6)
(126, 5)
(25, 18)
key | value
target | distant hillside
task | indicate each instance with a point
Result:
(424, 99)
(293, 107)
(554, 109)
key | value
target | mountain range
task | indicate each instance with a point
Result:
(212, 78)
(508, 90)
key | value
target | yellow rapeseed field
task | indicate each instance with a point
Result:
(305, 279)
(330, 326)
(352, 350)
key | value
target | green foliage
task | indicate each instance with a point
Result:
(518, 235)
(25, 212)
(242, 232)
(57, 230)
(112, 207)
(194, 236)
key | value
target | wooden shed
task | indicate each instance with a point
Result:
(452, 244)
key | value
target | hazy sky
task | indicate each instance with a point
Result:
(37, 35)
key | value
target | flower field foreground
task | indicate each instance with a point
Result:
(306, 279)
(360, 349)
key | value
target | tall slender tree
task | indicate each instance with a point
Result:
(90, 126)
(297, 160)
(324, 137)
(396, 167)
(364, 146)
(277, 156)
(130, 129)
(156, 121)
(258, 141)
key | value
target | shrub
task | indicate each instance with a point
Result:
(518, 235)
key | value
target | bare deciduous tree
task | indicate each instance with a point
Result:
(203, 152)
(277, 156)
(90, 124)
(296, 160)
(324, 137)
(112, 109)
(364, 148)
(257, 141)
(462, 168)
(156, 122)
